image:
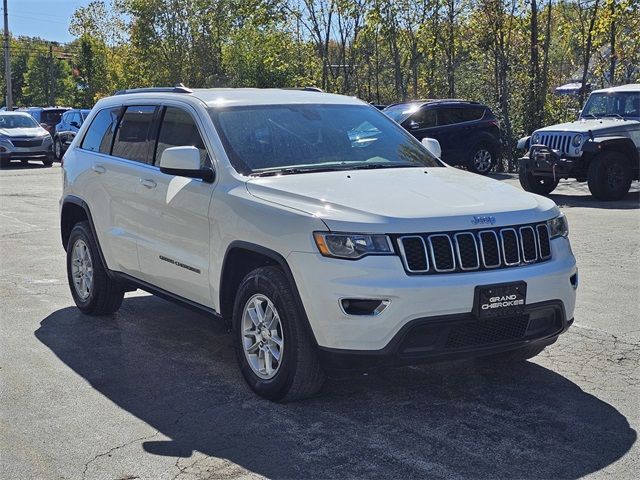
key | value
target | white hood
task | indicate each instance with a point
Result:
(402, 200)
(23, 132)
(596, 125)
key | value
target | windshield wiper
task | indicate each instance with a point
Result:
(367, 166)
(614, 115)
(293, 171)
(589, 115)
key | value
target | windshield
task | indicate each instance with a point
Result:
(17, 121)
(620, 104)
(401, 112)
(305, 138)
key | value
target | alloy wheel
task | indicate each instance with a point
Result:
(262, 336)
(82, 269)
(482, 160)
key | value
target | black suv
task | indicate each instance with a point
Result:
(48, 117)
(468, 132)
(66, 130)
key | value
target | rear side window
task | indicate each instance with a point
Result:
(132, 137)
(100, 133)
(448, 116)
(178, 129)
(472, 113)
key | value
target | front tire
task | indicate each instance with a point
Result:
(93, 291)
(609, 176)
(536, 184)
(274, 349)
(483, 159)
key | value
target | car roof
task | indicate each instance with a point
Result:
(439, 101)
(18, 114)
(631, 87)
(222, 97)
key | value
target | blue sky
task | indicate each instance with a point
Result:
(48, 19)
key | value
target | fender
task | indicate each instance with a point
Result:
(72, 199)
(523, 143)
(282, 263)
(599, 144)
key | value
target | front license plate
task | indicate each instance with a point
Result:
(500, 300)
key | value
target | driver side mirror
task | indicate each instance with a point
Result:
(185, 162)
(433, 146)
(75, 124)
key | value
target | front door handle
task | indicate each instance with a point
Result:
(98, 168)
(147, 183)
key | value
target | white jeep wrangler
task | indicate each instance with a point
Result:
(602, 147)
(324, 233)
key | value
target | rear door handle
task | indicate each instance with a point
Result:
(98, 168)
(147, 183)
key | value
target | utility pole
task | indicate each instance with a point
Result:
(7, 59)
(51, 79)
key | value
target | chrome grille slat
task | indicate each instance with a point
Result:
(461, 257)
(494, 242)
(434, 250)
(404, 256)
(474, 250)
(524, 243)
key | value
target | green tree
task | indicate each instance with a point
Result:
(47, 81)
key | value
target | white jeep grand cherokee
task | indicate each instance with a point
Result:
(317, 227)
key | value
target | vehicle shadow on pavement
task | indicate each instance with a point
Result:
(16, 165)
(630, 202)
(176, 370)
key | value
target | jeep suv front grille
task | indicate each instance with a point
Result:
(474, 250)
(557, 141)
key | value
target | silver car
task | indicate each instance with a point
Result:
(22, 138)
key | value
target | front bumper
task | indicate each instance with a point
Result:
(11, 152)
(544, 161)
(323, 282)
(454, 337)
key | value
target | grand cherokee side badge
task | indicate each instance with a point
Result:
(483, 220)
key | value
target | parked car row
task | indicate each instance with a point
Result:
(36, 133)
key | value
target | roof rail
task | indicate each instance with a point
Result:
(305, 89)
(179, 88)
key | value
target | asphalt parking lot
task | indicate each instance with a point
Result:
(154, 392)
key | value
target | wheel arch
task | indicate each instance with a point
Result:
(242, 257)
(623, 145)
(75, 210)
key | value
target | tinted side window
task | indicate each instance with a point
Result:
(178, 129)
(423, 119)
(448, 116)
(472, 113)
(132, 138)
(100, 133)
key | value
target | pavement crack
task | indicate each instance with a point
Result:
(113, 449)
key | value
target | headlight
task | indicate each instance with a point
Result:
(535, 140)
(577, 140)
(558, 227)
(352, 245)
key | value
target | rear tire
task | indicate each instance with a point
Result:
(482, 159)
(609, 176)
(57, 149)
(295, 372)
(536, 184)
(515, 356)
(93, 291)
